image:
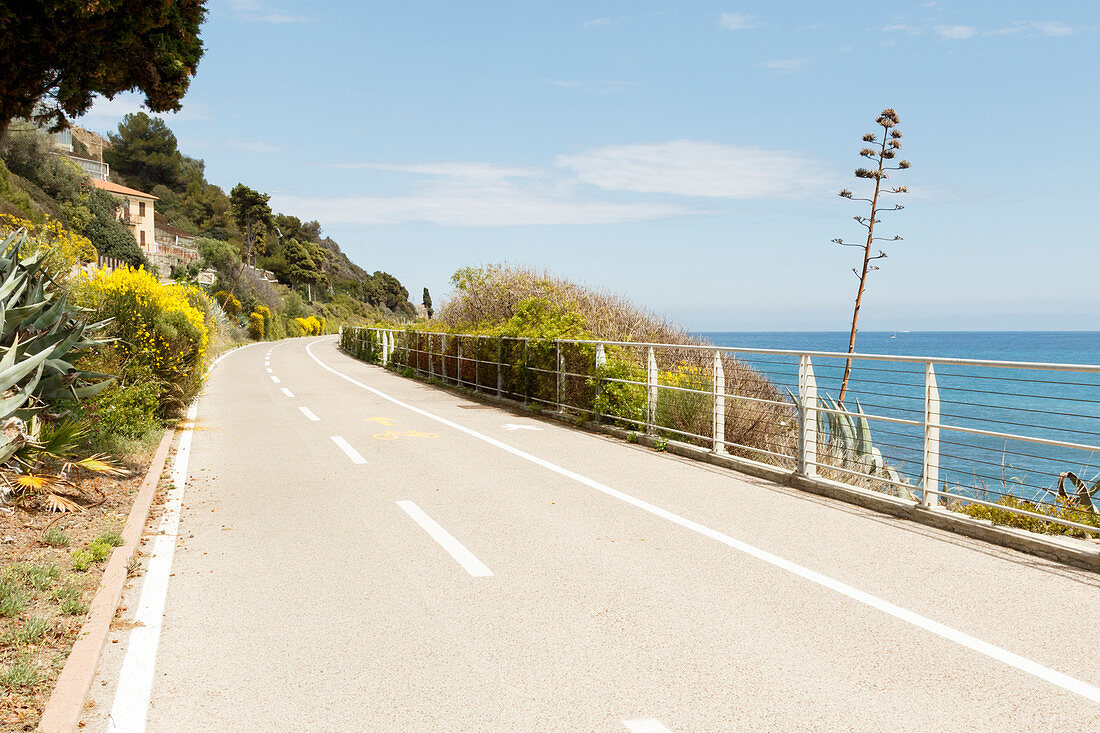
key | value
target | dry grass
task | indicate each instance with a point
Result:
(486, 298)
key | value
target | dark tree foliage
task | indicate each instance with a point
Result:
(61, 53)
(144, 152)
(428, 303)
(252, 214)
(111, 237)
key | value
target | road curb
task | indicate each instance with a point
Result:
(1067, 550)
(66, 703)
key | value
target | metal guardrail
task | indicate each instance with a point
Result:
(971, 431)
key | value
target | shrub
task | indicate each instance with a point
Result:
(129, 410)
(256, 326)
(229, 303)
(160, 332)
(67, 249)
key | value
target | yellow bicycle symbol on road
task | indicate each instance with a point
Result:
(395, 434)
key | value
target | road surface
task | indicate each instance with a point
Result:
(359, 551)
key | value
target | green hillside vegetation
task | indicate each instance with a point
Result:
(315, 278)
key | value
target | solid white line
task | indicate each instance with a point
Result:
(1064, 681)
(346, 447)
(274, 379)
(287, 392)
(649, 725)
(464, 557)
(135, 680)
(309, 413)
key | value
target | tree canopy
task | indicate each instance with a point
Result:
(145, 151)
(62, 53)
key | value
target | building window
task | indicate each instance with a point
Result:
(142, 232)
(141, 208)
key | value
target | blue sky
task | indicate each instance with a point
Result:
(686, 154)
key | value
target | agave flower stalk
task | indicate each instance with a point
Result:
(887, 149)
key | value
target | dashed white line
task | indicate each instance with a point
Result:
(1054, 677)
(454, 548)
(346, 447)
(287, 392)
(135, 679)
(269, 371)
(309, 413)
(648, 725)
(274, 379)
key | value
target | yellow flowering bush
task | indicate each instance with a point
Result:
(68, 249)
(311, 326)
(162, 329)
(256, 325)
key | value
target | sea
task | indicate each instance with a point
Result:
(1048, 404)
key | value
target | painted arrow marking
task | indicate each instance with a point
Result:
(520, 427)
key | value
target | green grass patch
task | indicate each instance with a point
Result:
(42, 575)
(20, 675)
(33, 630)
(54, 537)
(69, 600)
(13, 598)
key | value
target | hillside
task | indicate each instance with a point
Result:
(143, 155)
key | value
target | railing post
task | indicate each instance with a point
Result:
(477, 363)
(458, 360)
(601, 362)
(559, 388)
(931, 471)
(431, 361)
(807, 417)
(500, 361)
(443, 357)
(651, 391)
(526, 374)
(718, 423)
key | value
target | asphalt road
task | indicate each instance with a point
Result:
(359, 551)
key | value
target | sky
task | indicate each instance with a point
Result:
(684, 154)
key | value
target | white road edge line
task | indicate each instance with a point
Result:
(346, 447)
(648, 725)
(287, 392)
(274, 379)
(465, 558)
(135, 679)
(309, 413)
(1054, 677)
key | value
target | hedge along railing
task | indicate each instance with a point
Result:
(965, 428)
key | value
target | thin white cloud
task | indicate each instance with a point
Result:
(902, 28)
(595, 22)
(783, 66)
(1053, 28)
(111, 111)
(704, 169)
(449, 169)
(609, 86)
(955, 32)
(737, 21)
(254, 11)
(475, 207)
(254, 146)
(470, 194)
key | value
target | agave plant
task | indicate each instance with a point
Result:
(44, 462)
(847, 442)
(1082, 495)
(41, 336)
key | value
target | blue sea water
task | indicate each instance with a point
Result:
(1054, 405)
